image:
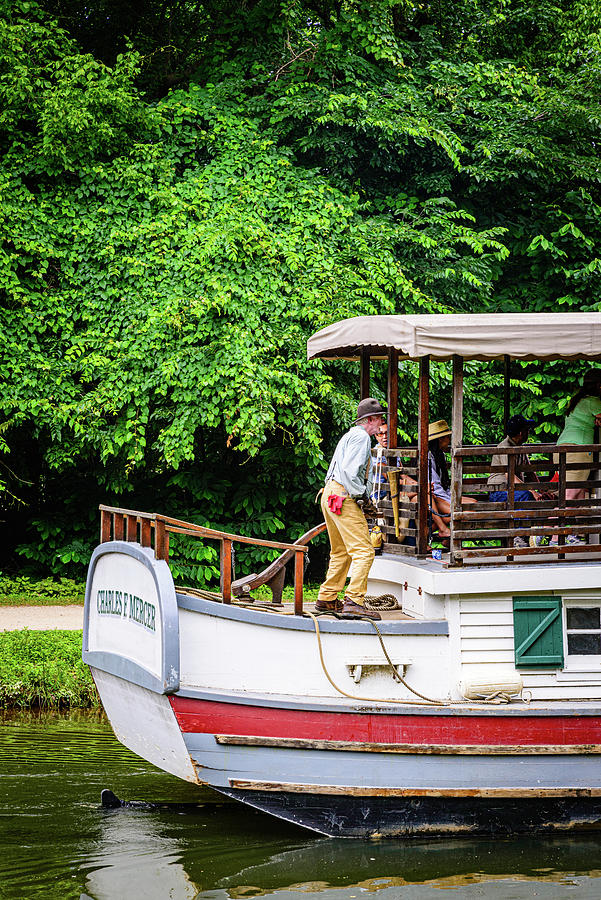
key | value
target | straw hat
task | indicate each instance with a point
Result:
(438, 429)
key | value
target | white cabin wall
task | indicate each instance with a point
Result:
(411, 584)
(480, 616)
(481, 634)
(415, 600)
(229, 655)
(421, 604)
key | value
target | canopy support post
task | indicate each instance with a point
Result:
(422, 452)
(365, 360)
(456, 461)
(393, 398)
(506, 391)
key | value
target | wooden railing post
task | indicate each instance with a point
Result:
(118, 527)
(393, 399)
(299, 571)
(561, 496)
(160, 539)
(594, 538)
(511, 497)
(131, 528)
(145, 532)
(226, 570)
(105, 526)
(456, 461)
(422, 466)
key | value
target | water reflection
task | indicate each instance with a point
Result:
(56, 841)
(141, 861)
(155, 858)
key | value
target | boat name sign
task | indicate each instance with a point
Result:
(124, 615)
(129, 606)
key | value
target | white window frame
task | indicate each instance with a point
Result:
(580, 662)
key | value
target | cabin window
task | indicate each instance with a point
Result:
(583, 631)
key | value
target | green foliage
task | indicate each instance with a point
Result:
(61, 108)
(24, 591)
(166, 251)
(44, 669)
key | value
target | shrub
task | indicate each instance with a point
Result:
(44, 669)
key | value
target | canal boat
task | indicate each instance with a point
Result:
(473, 706)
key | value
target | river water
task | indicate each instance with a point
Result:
(57, 843)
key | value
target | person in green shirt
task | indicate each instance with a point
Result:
(583, 414)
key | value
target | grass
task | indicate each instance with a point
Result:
(44, 669)
(263, 594)
(25, 591)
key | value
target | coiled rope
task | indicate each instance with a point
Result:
(383, 601)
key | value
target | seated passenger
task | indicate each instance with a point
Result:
(439, 435)
(583, 415)
(517, 430)
(381, 488)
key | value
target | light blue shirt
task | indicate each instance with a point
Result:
(351, 464)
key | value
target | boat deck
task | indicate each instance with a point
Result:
(287, 608)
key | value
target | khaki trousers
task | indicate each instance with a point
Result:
(349, 542)
(586, 456)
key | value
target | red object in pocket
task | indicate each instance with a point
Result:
(335, 503)
(555, 476)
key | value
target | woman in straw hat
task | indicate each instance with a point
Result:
(439, 441)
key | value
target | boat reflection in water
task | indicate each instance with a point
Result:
(210, 852)
(143, 862)
(57, 843)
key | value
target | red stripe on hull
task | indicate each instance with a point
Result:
(212, 717)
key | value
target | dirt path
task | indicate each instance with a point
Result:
(41, 618)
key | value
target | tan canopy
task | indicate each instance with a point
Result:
(486, 336)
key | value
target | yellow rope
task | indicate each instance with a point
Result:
(369, 699)
(397, 677)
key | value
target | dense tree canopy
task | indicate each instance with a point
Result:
(188, 190)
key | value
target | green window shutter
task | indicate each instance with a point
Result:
(537, 630)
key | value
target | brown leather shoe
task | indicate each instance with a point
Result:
(328, 606)
(350, 608)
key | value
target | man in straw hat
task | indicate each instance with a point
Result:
(349, 479)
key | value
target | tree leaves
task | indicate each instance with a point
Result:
(165, 256)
